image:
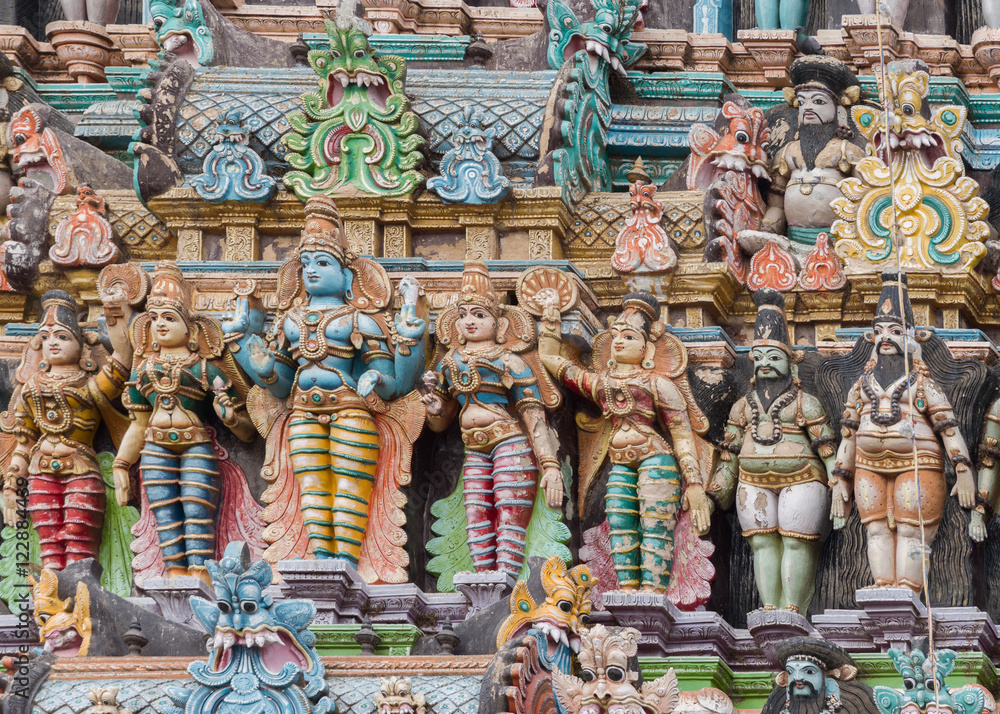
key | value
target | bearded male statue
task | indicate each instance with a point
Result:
(817, 677)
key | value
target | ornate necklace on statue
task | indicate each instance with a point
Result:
(831, 705)
(895, 411)
(775, 413)
(618, 395)
(312, 326)
(165, 371)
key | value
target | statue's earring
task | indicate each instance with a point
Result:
(611, 363)
(647, 361)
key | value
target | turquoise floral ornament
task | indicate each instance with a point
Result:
(924, 687)
(262, 658)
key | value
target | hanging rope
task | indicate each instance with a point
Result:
(924, 554)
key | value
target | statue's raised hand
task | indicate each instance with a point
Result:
(840, 508)
(965, 486)
(261, 358)
(238, 321)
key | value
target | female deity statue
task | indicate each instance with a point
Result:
(636, 380)
(62, 392)
(486, 378)
(336, 361)
(182, 367)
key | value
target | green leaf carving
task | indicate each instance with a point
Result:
(115, 555)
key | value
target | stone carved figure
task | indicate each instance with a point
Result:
(491, 380)
(925, 689)
(63, 390)
(611, 681)
(642, 246)
(395, 696)
(782, 14)
(817, 676)
(99, 12)
(813, 147)
(104, 700)
(199, 35)
(780, 446)
(85, 238)
(339, 434)
(356, 133)
(182, 369)
(989, 473)
(636, 378)
(262, 656)
(912, 193)
(64, 625)
(727, 162)
(897, 411)
(470, 171)
(232, 171)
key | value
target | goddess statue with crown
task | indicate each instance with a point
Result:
(63, 390)
(660, 469)
(182, 370)
(490, 377)
(329, 377)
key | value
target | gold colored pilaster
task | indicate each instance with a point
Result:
(397, 240)
(364, 237)
(189, 244)
(242, 243)
(481, 243)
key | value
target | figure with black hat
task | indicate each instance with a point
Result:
(817, 677)
(780, 446)
(813, 148)
(897, 429)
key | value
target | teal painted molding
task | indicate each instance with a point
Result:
(128, 80)
(429, 48)
(702, 86)
(75, 98)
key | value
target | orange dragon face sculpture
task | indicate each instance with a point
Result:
(741, 147)
(35, 150)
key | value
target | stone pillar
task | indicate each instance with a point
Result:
(242, 244)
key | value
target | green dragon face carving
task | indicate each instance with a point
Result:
(924, 689)
(180, 28)
(356, 130)
(604, 39)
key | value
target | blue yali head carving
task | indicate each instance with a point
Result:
(924, 687)
(470, 172)
(260, 652)
(232, 171)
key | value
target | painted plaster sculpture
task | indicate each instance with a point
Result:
(63, 391)
(395, 696)
(356, 133)
(989, 472)
(643, 255)
(470, 172)
(99, 12)
(813, 147)
(875, 461)
(104, 700)
(924, 686)
(918, 180)
(85, 238)
(233, 171)
(52, 162)
(817, 675)
(780, 446)
(823, 270)
(331, 375)
(261, 652)
(537, 639)
(182, 369)
(893, 11)
(636, 377)
(727, 161)
(64, 625)
(79, 618)
(611, 681)
(198, 34)
(491, 379)
(595, 48)
(782, 14)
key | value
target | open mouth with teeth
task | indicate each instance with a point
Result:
(36, 167)
(400, 708)
(719, 162)
(63, 642)
(556, 636)
(182, 44)
(275, 644)
(928, 144)
(374, 84)
(596, 50)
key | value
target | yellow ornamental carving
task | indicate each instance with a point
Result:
(918, 172)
